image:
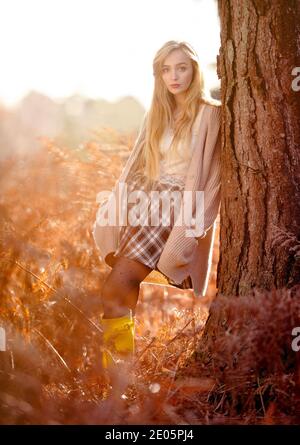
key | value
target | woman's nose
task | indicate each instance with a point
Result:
(174, 75)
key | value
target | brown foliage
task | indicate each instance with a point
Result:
(51, 279)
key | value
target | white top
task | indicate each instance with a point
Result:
(173, 163)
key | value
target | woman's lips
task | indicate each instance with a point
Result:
(175, 85)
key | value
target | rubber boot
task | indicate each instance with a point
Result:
(118, 340)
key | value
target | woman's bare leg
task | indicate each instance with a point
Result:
(121, 288)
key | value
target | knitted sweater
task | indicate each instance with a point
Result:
(183, 254)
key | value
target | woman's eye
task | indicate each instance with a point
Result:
(182, 68)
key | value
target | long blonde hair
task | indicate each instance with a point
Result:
(160, 113)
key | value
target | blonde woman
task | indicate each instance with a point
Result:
(177, 151)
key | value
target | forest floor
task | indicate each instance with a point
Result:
(51, 279)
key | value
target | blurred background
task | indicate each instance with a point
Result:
(76, 79)
(71, 68)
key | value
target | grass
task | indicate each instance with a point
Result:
(51, 280)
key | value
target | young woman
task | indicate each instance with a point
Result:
(177, 151)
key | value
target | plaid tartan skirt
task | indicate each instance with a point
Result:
(144, 243)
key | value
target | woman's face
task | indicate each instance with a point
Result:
(177, 72)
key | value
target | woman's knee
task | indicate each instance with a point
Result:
(119, 283)
(129, 271)
(122, 285)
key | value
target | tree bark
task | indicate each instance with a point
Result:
(260, 200)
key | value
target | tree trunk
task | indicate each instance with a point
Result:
(260, 202)
(260, 197)
(246, 346)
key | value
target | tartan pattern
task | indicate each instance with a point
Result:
(145, 243)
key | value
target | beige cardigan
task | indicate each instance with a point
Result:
(182, 255)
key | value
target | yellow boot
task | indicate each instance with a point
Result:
(118, 339)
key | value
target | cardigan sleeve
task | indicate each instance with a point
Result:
(212, 188)
(182, 242)
(208, 179)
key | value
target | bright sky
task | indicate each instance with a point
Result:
(98, 48)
